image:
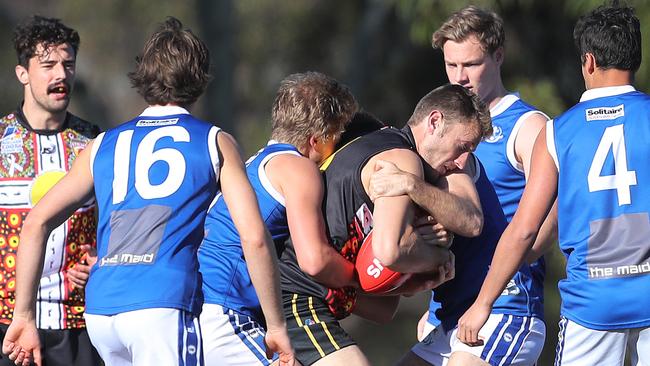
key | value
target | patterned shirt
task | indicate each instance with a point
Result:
(31, 162)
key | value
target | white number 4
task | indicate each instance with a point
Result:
(614, 140)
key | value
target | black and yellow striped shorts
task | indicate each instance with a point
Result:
(313, 329)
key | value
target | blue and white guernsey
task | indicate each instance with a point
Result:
(524, 293)
(155, 177)
(473, 257)
(226, 281)
(601, 150)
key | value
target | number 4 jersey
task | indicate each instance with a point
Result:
(602, 151)
(155, 177)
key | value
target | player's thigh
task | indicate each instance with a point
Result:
(161, 336)
(578, 346)
(639, 346)
(411, 359)
(461, 358)
(507, 340)
(107, 342)
(231, 338)
(348, 356)
(434, 349)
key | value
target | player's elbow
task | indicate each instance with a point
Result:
(312, 263)
(474, 225)
(385, 251)
(253, 241)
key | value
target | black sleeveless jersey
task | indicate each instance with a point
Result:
(348, 214)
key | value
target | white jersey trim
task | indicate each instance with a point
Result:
(213, 149)
(550, 143)
(264, 179)
(163, 110)
(510, 145)
(504, 104)
(606, 92)
(93, 152)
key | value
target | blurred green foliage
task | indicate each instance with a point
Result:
(380, 48)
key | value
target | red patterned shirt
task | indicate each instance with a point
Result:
(31, 162)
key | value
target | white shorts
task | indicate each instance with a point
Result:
(508, 340)
(157, 336)
(231, 338)
(578, 345)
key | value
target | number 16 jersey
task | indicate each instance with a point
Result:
(154, 177)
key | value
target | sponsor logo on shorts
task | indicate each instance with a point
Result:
(605, 113)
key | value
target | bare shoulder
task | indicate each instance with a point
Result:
(293, 170)
(404, 159)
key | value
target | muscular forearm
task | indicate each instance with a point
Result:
(454, 213)
(29, 266)
(546, 238)
(262, 267)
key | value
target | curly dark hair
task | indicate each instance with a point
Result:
(47, 32)
(173, 67)
(613, 35)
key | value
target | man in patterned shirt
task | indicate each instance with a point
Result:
(38, 143)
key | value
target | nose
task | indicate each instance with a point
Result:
(461, 75)
(60, 71)
(461, 161)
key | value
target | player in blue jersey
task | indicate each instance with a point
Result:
(153, 178)
(309, 113)
(472, 41)
(593, 158)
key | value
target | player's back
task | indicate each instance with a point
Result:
(154, 179)
(601, 149)
(225, 275)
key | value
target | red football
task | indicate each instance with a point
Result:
(373, 276)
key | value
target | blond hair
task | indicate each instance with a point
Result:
(485, 25)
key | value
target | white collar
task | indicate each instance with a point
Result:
(607, 91)
(504, 104)
(163, 110)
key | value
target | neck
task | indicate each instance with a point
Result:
(493, 98)
(40, 119)
(611, 77)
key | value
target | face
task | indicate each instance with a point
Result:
(322, 148)
(49, 78)
(468, 65)
(447, 148)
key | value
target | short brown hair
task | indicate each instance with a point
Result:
(173, 67)
(311, 104)
(486, 25)
(457, 104)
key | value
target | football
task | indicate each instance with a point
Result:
(373, 276)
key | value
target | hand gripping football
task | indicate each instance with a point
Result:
(374, 277)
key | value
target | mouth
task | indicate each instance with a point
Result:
(60, 90)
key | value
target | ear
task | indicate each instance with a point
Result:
(498, 55)
(434, 121)
(589, 65)
(22, 74)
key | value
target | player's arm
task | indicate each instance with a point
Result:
(256, 242)
(458, 210)
(395, 243)
(71, 192)
(301, 184)
(524, 142)
(538, 197)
